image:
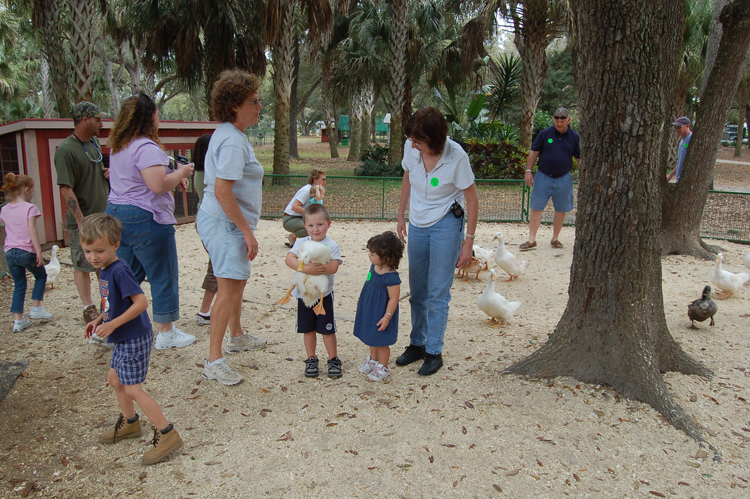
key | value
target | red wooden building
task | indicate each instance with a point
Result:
(28, 146)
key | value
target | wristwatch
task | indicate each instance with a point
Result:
(470, 235)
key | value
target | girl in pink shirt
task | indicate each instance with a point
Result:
(22, 249)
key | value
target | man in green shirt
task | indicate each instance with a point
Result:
(82, 177)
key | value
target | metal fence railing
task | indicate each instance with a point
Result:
(726, 216)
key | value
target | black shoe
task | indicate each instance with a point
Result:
(311, 368)
(334, 368)
(431, 364)
(412, 353)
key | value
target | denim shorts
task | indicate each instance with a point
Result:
(150, 249)
(225, 245)
(560, 189)
(130, 359)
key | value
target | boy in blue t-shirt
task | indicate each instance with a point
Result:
(125, 323)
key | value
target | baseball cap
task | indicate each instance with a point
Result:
(683, 120)
(85, 110)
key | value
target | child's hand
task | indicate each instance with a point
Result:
(91, 327)
(383, 323)
(104, 330)
(314, 268)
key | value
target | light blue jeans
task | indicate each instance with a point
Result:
(150, 249)
(19, 261)
(433, 252)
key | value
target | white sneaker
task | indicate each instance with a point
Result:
(20, 325)
(221, 372)
(379, 373)
(366, 368)
(244, 343)
(39, 313)
(95, 340)
(202, 321)
(174, 338)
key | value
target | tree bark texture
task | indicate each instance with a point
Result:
(368, 102)
(532, 50)
(48, 104)
(328, 115)
(283, 70)
(684, 202)
(613, 330)
(398, 83)
(114, 91)
(293, 104)
(47, 17)
(714, 37)
(83, 39)
(355, 125)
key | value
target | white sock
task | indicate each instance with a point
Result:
(206, 315)
(211, 364)
(18, 322)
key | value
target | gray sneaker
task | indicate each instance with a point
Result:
(39, 313)
(221, 372)
(244, 343)
(202, 321)
(174, 338)
(20, 325)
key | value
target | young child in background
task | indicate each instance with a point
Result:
(125, 323)
(22, 249)
(317, 221)
(317, 193)
(376, 322)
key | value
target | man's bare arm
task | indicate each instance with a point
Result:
(72, 202)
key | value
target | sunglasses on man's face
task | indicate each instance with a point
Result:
(677, 127)
(561, 117)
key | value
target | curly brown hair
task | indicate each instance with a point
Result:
(229, 91)
(314, 175)
(388, 247)
(136, 119)
(14, 183)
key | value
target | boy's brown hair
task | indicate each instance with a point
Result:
(100, 225)
(314, 209)
(388, 247)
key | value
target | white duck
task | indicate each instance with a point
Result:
(746, 260)
(726, 281)
(53, 267)
(483, 255)
(312, 287)
(494, 304)
(506, 260)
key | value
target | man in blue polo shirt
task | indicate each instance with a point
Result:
(682, 129)
(555, 148)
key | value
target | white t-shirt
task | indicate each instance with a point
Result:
(303, 196)
(335, 255)
(230, 157)
(433, 193)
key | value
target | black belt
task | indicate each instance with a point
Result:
(555, 176)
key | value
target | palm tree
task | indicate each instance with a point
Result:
(400, 12)
(47, 17)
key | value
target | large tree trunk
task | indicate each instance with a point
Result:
(683, 203)
(283, 77)
(712, 44)
(48, 104)
(398, 83)
(293, 102)
(328, 114)
(613, 330)
(112, 80)
(48, 18)
(368, 100)
(84, 35)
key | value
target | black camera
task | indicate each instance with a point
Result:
(457, 210)
(181, 159)
(172, 166)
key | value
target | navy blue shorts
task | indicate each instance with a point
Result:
(308, 322)
(130, 359)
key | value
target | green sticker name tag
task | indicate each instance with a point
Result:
(550, 141)
(369, 276)
(685, 146)
(434, 182)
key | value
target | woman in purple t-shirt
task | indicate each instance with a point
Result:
(141, 182)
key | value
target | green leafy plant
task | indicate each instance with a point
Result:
(497, 159)
(375, 168)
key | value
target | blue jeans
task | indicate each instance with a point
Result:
(150, 249)
(433, 252)
(19, 261)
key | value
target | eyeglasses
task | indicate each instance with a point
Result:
(561, 117)
(677, 127)
(254, 102)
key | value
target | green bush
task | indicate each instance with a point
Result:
(498, 159)
(378, 153)
(375, 168)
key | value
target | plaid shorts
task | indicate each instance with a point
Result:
(130, 359)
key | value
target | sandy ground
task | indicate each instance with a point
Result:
(467, 431)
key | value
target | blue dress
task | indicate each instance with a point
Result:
(372, 302)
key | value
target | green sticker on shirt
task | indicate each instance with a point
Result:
(434, 182)
(369, 275)
(550, 141)
(685, 146)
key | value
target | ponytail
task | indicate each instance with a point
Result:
(12, 185)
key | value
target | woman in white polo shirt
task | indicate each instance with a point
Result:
(292, 220)
(437, 180)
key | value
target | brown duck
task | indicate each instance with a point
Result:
(703, 308)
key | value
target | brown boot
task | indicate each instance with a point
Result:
(164, 445)
(122, 430)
